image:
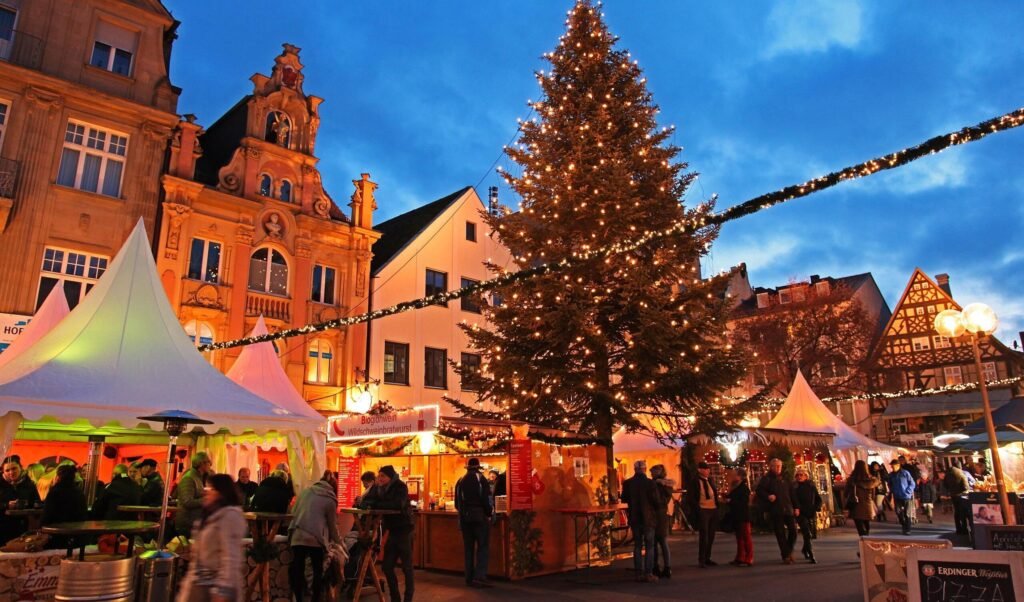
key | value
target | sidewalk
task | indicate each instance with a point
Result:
(836, 577)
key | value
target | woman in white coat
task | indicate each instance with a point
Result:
(215, 567)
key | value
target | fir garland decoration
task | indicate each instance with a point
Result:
(741, 460)
(526, 543)
(369, 452)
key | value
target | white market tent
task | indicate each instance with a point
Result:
(122, 354)
(51, 312)
(804, 412)
(259, 370)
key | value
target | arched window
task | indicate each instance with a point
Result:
(286, 191)
(266, 185)
(268, 272)
(279, 129)
(201, 333)
(319, 362)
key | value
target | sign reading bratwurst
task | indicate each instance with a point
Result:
(401, 423)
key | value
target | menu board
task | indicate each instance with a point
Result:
(520, 475)
(883, 565)
(943, 575)
(349, 485)
(1002, 538)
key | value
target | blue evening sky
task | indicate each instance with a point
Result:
(423, 95)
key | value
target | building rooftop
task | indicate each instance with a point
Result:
(399, 231)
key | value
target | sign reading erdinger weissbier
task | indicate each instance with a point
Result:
(347, 427)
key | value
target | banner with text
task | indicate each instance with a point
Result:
(348, 427)
(520, 475)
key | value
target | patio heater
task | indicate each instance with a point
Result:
(175, 422)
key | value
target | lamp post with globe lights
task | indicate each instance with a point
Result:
(979, 321)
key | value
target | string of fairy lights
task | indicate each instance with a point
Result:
(899, 158)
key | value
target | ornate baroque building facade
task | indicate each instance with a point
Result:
(248, 230)
(86, 112)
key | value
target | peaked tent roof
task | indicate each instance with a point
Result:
(122, 354)
(804, 412)
(50, 313)
(400, 230)
(259, 371)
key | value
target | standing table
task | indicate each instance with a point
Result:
(34, 516)
(93, 528)
(591, 518)
(264, 527)
(144, 512)
(368, 523)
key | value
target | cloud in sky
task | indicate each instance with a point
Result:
(760, 253)
(813, 26)
(944, 170)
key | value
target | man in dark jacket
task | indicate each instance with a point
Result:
(641, 494)
(122, 491)
(392, 494)
(473, 502)
(702, 504)
(247, 486)
(274, 494)
(773, 496)
(806, 504)
(958, 486)
(15, 488)
(153, 490)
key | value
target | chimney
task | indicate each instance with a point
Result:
(492, 200)
(943, 281)
(815, 278)
(1021, 334)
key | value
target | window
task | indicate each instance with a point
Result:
(834, 369)
(940, 342)
(286, 191)
(762, 300)
(989, 370)
(497, 300)
(396, 363)
(279, 129)
(113, 49)
(920, 343)
(470, 363)
(323, 284)
(266, 185)
(268, 272)
(471, 231)
(7, 18)
(437, 282)
(898, 427)
(435, 368)
(469, 303)
(318, 366)
(799, 294)
(92, 159)
(79, 271)
(919, 311)
(953, 375)
(931, 309)
(204, 261)
(201, 333)
(785, 297)
(822, 288)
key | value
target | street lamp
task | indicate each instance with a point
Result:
(175, 422)
(979, 320)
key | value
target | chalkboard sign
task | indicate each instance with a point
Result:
(1001, 538)
(968, 575)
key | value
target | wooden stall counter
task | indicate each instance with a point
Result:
(439, 542)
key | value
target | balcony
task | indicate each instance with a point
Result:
(20, 48)
(271, 307)
(8, 186)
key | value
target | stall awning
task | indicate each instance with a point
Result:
(1012, 412)
(968, 402)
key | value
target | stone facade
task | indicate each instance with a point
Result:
(86, 112)
(248, 230)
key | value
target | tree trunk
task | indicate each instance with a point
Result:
(605, 427)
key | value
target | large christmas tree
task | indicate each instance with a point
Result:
(635, 339)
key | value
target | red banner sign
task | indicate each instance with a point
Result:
(349, 485)
(520, 476)
(421, 419)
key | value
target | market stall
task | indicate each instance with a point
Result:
(542, 472)
(122, 354)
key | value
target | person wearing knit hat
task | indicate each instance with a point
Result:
(473, 502)
(393, 494)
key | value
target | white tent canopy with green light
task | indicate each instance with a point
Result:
(122, 354)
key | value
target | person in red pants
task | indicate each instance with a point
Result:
(739, 511)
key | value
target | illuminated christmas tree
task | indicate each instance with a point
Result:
(636, 339)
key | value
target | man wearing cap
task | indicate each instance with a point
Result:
(702, 501)
(392, 494)
(901, 484)
(473, 502)
(153, 489)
